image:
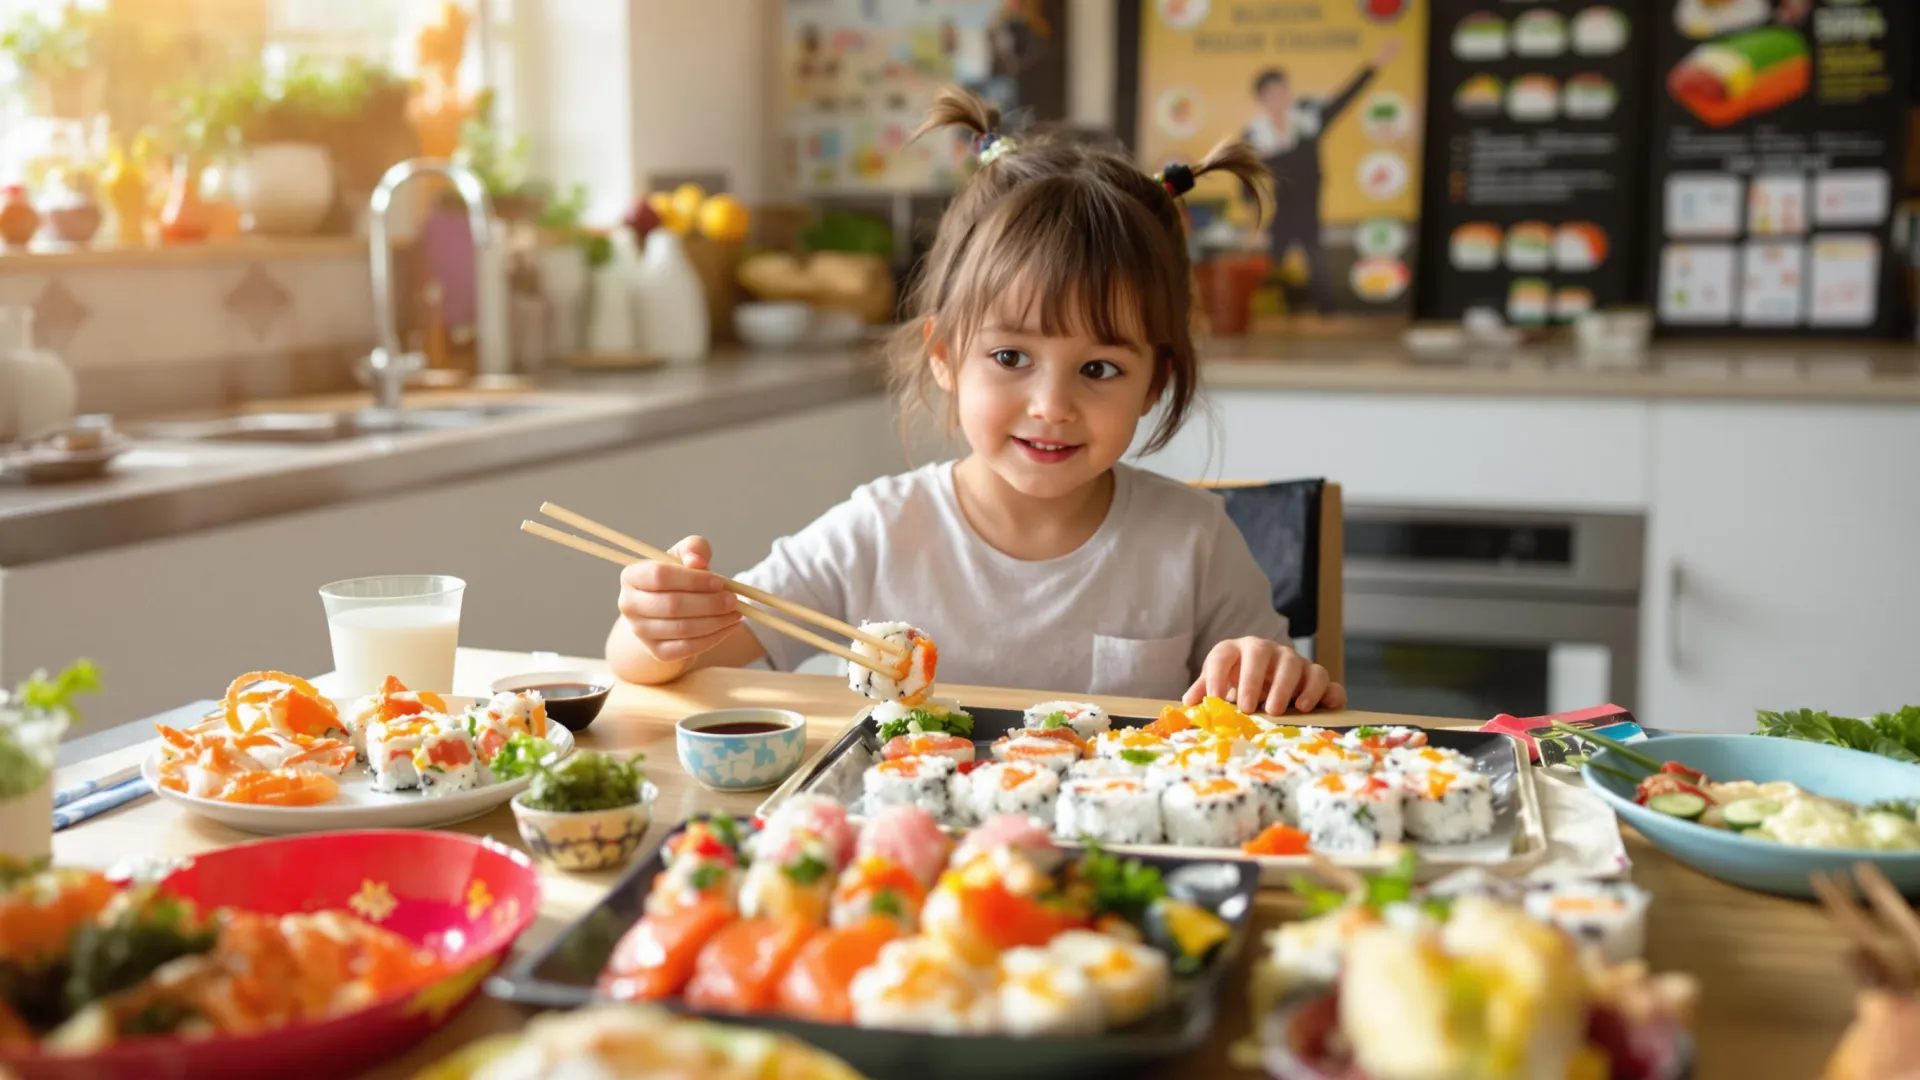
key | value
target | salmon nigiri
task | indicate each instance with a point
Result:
(657, 956)
(741, 968)
(816, 986)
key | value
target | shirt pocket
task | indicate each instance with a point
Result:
(1141, 667)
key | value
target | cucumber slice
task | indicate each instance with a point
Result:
(1744, 814)
(1681, 804)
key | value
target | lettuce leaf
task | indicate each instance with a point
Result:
(1893, 735)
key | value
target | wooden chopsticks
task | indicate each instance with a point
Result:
(1895, 963)
(643, 550)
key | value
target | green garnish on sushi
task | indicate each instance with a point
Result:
(1139, 757)
(1054, 720)
(517, 757)
(1124, 886)
(1367, 731)
(928, 722)
(805, 870)
(707, 876)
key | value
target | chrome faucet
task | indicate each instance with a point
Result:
(389, 365)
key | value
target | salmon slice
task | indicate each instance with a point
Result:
(656, 957)
(741, 968)
(816, 985)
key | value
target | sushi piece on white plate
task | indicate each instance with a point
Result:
(918, 984)
(910, 673)
(505, 715)
(1350, 812)
(1004, 787)
(390, 747)
(1056, 754)
(1131, 979)
(1447, 806)
(1118, 741)
(910, 781)
(1611, 916)
(1086, 720)
(1110, 810)
(446, 761)
(1214, 812)
(1039, 995)
(1275, 783)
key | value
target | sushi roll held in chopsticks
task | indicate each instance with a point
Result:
(910, 667)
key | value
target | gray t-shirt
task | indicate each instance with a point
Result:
(1134, 610)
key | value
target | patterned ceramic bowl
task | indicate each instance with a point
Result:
(741, 749)
(589, 839)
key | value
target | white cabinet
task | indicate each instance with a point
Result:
(1793, 532)
(174, 620)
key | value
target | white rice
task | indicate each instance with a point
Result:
(390, 748)
(1132, 980)
(1056, 754)
(1275, 783)
(911, 680)
(1119, 740)
(912, 781)
(1213, 812)
(1003, 788)
(1347, 812)
(1111, 810)
(917, 984)
(1610, 915)
(1447, 806)
(1038, 995)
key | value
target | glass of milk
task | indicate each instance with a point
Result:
(404, 625)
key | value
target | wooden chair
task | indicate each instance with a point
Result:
(1310, 577)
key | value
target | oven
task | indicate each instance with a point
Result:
(1474, 613)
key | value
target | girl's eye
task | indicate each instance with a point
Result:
(1101, 369)
(1011, 358)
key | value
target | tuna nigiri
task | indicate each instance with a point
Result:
(656, 957)
(954, 746)
(908, 835)
(816, 985)
(741, 968)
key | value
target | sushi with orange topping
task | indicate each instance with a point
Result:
(1351, 812)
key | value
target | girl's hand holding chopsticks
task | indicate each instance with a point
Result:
(678, 612)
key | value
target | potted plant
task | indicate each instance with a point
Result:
(54, 58)
(32, 720)
(587, 812)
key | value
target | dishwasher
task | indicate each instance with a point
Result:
(1472, 613)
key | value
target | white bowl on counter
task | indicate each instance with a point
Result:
(772, 324)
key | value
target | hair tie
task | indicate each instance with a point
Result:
(989, 145)
(1177, 178)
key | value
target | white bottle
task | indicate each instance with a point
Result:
(42, 396)
(671, 301)
(610, 317)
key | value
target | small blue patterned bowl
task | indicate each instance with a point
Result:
(715, 751)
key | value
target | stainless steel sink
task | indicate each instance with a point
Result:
(328, 427)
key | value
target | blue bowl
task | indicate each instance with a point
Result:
(1815, 768)
(726, 761)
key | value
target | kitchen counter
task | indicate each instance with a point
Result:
(1869, 372)
(166, 488)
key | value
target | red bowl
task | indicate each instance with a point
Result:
(465, 897)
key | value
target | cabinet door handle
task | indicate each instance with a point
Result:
(1676, 591)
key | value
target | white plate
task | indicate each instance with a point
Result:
(358, 806)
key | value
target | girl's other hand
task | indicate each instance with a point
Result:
(1266, 677)
(678, 612)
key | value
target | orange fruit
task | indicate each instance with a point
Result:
(722, 218)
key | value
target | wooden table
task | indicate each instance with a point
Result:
(1776, 988)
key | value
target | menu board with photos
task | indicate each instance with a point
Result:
(1778, 131)
(1533, 150)
(1329, 95)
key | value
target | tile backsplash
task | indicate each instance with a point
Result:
(159, 337)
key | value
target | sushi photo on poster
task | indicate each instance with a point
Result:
(1331, 95)
(1534, 190)
(1779, 131)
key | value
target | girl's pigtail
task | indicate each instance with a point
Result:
(1236, 158)
(954, 107)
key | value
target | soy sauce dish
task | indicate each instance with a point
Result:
(741, 749)
(574, 698)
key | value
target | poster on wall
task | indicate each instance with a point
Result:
(1778, 137)
(859, 75)
(1534, 157)
(1330, 94)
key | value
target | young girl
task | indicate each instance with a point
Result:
(1051, 318)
